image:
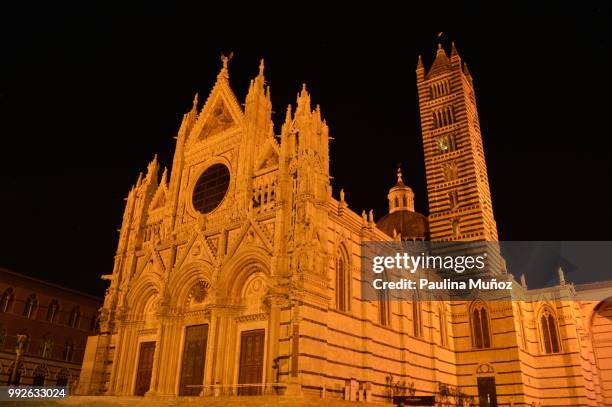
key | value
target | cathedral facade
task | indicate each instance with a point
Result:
(238, 272)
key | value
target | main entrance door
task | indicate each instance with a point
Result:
(251, 361)
(194, 357)
(145, 367)
(486, 392)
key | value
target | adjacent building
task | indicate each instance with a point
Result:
(55, 321)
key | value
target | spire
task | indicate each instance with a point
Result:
(453, 50)
(194, 106)
(303, 100)
(420, 69)
(441, 63)
(288, 114)
(261, 67)
(561, 276)
(164, 177)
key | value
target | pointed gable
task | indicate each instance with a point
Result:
(220, 112)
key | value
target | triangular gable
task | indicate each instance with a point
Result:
(220, 113)
(268, 159)
(159, 199)
(250, 234)
(199, 247)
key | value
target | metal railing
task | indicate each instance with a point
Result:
(218, 390)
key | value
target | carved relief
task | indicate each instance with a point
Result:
(450, 170)
(219, 120)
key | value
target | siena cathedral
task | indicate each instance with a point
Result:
(237, 272)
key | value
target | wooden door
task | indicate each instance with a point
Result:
(486, 392)
(145, 368)
(194, 358)
(251, 361)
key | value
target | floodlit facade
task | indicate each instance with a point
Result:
(238, 271)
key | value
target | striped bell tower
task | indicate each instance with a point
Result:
(460, 206)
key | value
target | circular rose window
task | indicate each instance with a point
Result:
(211, 188)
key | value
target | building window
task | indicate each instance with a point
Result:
(68, 351)
(439, 89)
(480, 327)
(31, 305)
(384, 316)
(75, 317)
(443, 117)
(442, 321)
(342, 281)
(550, 335)
(211, 188)
(417, 323)
(46, 346)
(52, 311)
(7, 300)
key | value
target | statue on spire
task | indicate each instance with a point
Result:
(226, 58)
(224, 74)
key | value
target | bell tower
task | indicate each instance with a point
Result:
(458, 193)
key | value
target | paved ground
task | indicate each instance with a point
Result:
(244, 401)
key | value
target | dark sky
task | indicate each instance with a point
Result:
(88, 93)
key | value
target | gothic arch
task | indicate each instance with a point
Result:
(238, 270)
(480, 325)
(342, 277)
(548, 328)
(139, 295)
(181, 284)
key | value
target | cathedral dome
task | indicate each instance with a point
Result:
(402, 219)
(409, 225)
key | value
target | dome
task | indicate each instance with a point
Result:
(402, 218)
(409, 225)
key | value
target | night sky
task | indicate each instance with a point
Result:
(88, 94)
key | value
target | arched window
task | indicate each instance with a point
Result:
(343, 294)
(384, 316)
(550, 336)
(31, 305)
(68, 351)
(75, 317)
(52, 311)
(46, 346)
(442, 321)
(6, 303)
(480, 327)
